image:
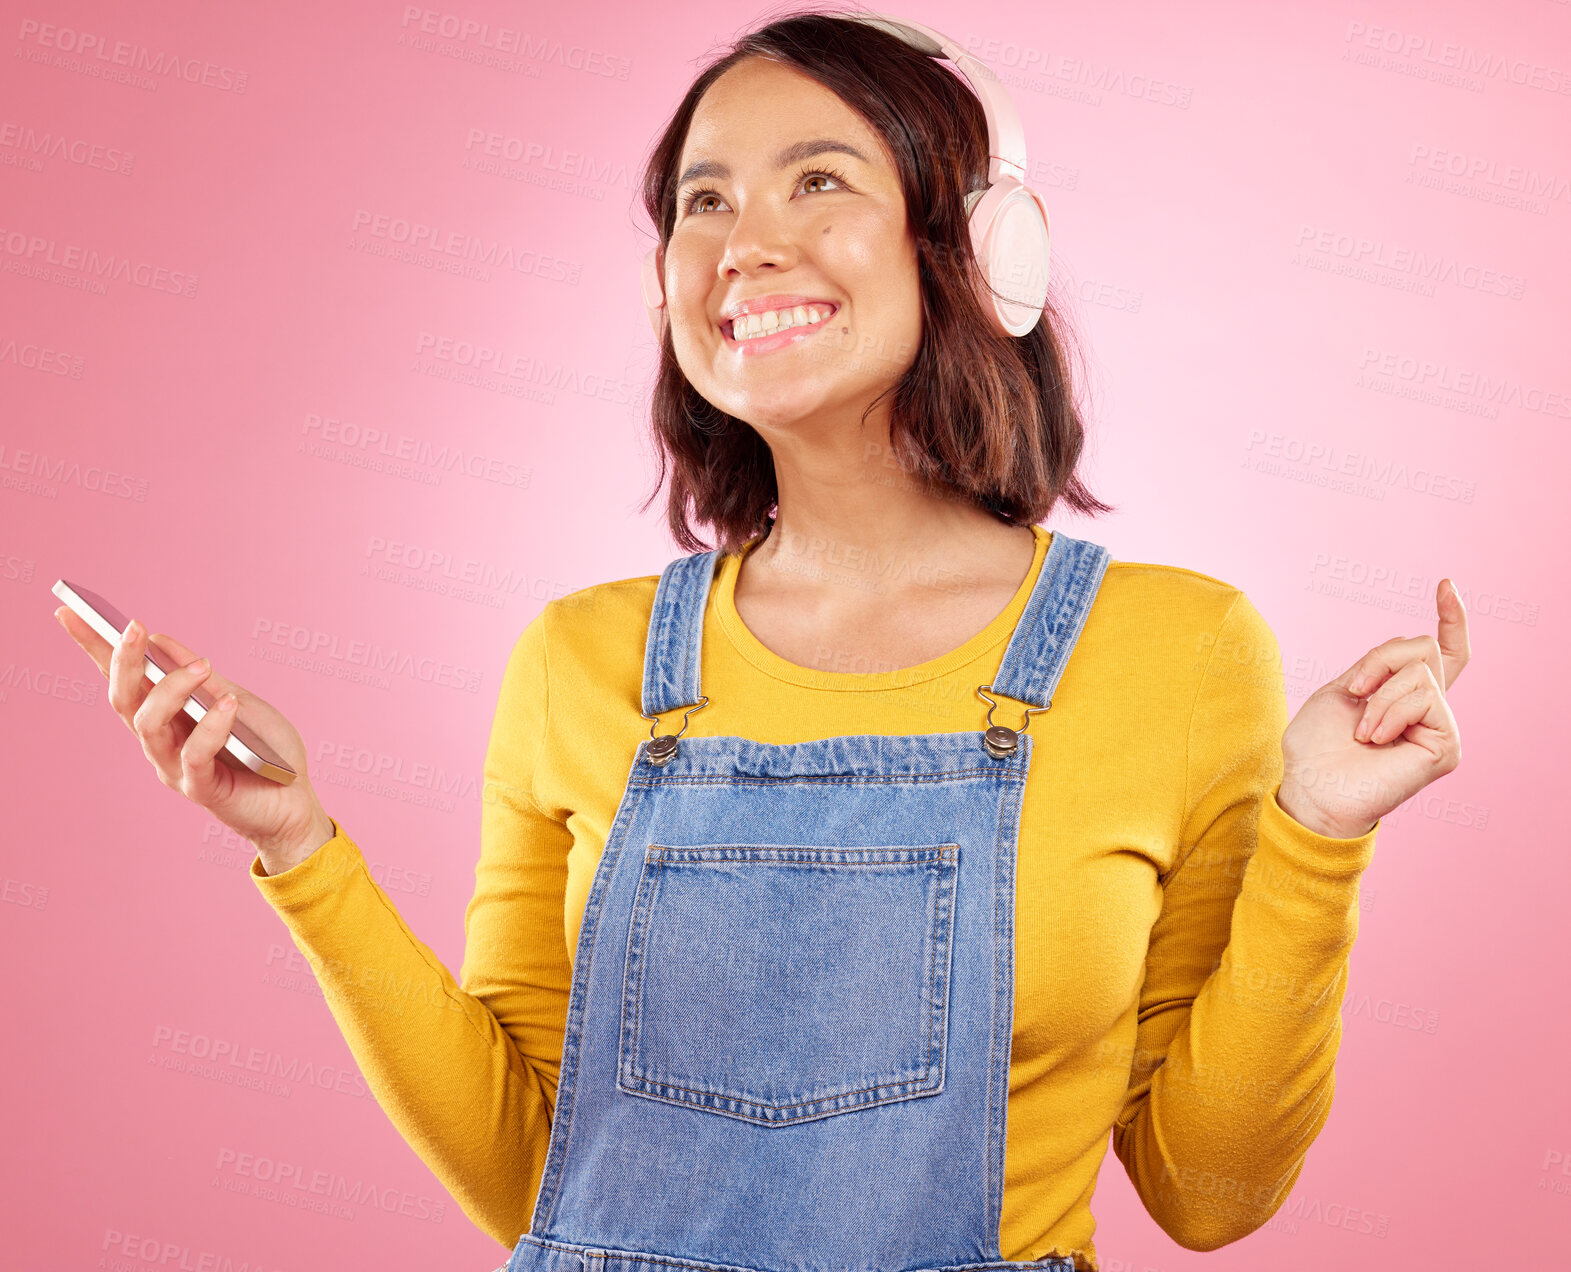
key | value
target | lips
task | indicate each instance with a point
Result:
(781, 338)
(778, 301)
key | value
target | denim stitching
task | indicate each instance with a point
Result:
(653, 780)
(1006, 846)
(643, 903)
(568, 1075)
(946, 889)
(630, 1075)
(929, 990)
(1018, 668)
(655, 1091)
(655, 645)
(1051, 1264)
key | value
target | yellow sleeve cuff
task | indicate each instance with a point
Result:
(329, 866)
(1310, 851)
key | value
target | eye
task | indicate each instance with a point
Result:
(694, 199)
(691, 206)
(830, 173)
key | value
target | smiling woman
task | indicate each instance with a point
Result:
(863, 961)
(834, 153)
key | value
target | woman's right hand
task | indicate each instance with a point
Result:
(285, 824)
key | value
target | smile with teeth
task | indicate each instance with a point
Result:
(749, 326)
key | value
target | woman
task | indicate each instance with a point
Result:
(804, 934)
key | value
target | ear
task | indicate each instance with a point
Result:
(653, 279)
(652, 282)
(665, 311)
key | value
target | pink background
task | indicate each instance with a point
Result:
(1304, 242)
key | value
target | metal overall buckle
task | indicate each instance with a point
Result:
(661, 750)
(1001, 742)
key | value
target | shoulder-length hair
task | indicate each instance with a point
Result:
(979, 416)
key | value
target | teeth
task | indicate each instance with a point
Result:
(771, 320)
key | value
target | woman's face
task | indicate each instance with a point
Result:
(766, 210)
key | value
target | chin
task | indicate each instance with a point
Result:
(784, 418)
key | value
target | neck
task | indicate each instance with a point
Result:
(852, 519)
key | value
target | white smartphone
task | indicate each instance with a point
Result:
(242, 744)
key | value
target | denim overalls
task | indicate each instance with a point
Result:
(788, 1032)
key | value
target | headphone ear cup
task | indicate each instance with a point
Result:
(1009, 234)
(654, 292)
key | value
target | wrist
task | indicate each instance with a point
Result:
(287, 852)
(1292, 801)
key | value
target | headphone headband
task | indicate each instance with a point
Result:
(1006, 140)
(1007, 220)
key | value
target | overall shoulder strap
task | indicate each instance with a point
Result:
(1054, 615)
(676, 630)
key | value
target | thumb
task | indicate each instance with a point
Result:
(1451, 633)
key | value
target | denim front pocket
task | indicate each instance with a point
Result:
(780, 983)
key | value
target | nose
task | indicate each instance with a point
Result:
(760, 242)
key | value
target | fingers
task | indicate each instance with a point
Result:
(1410, 697)
(182, 756)
(94, 645)
(134, 684)
(199, 775)
(1372, 670)
(127, 674)
(1446, 652)
(181, 653)
(152, 721)
(183, 656)
(149, 711)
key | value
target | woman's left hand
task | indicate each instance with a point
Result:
(1379, 733)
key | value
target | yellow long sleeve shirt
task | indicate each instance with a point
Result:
(1181, 942)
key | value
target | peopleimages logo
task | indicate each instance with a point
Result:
(1284, 454)
(46, 361)
(44, 475)
(1488, 171)
(1555, 1174)
(486, 145)
(89, 51)
(293, 1183)
(123, 1251)
(222, 1059)
(511, 41)
(414, 242)
(44, 144)
(1460, 58)
(482, 360)
(1028, 67)
(1361, 256)
(349, 659)
(405, 455)
(1433, 379)
(23, 253)
(1395, 580)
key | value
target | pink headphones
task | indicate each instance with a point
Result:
(1008, 220)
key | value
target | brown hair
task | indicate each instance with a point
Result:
(979, 416)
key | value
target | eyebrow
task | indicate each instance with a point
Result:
(794, 153)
